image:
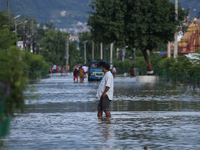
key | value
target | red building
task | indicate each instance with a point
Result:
(190, 42)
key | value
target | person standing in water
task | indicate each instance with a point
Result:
(81, 74)
(76, 76)
(105, 92)
(131, 72)
(114, 71)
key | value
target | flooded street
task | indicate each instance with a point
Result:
(65, 117)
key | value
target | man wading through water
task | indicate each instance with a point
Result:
(105, 92)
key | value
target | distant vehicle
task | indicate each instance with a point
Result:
(95, 69)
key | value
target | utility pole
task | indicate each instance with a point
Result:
(39, 48)
(85, 51)
(111, 54)
(8, 15)
(123, 53)
(168, 50)
(176, 33)
(92, 50)
(32, 36)
(117, 54)
(101, 53)
(15, 18)
(67, 51)
(15, 26)
(168, 47)
(24, 33)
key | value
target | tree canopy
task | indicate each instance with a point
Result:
(140, 24)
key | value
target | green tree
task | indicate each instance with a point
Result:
(75, 55)
(54, 46)
(14, 66)
(140, 24)
(6, 37)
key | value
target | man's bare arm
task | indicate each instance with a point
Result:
(104, 93)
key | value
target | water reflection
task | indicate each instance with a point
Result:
(159, 116)
(106, 128)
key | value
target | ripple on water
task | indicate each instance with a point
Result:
(125, 130)
(64, 117)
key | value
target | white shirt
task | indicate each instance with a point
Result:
(84, 68)
(107, 81)
(54, 67)
(77, 68)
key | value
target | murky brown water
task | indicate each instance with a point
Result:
(159, 116)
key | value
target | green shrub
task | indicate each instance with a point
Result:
(11, 70)
(140, 63)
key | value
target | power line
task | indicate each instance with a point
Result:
(58, 18)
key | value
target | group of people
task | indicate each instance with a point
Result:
(81, 71)
(105, 90)
(114, 71)
(59, 69)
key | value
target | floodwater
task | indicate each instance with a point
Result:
(163, 117)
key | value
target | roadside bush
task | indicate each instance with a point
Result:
(166, 64)
(14, 65)
(11, 70)
(140, 63)
(155, 61)
(124, 67)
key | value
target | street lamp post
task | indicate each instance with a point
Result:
(8, 14)
(85, 51)
(24, 41)
(16, 23)
(101, 51)
(67, 52)
(111, 54)
(16, 27)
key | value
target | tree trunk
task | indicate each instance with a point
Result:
(134, 56)
(148, 61)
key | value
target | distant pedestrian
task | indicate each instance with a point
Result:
(131, 72)
(74, 68)
(68, 68)
(54, 68)
(105, 92)
(76, 75)
(63, 68)
(59, 69)
(50, 70)
(77, 67)
(85, 70)
(63, 71)
(114, 71)
(81, 74)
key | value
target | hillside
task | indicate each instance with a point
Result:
(194, 6)
(64, 13)
(61, 12)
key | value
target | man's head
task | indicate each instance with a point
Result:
(106, 67)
